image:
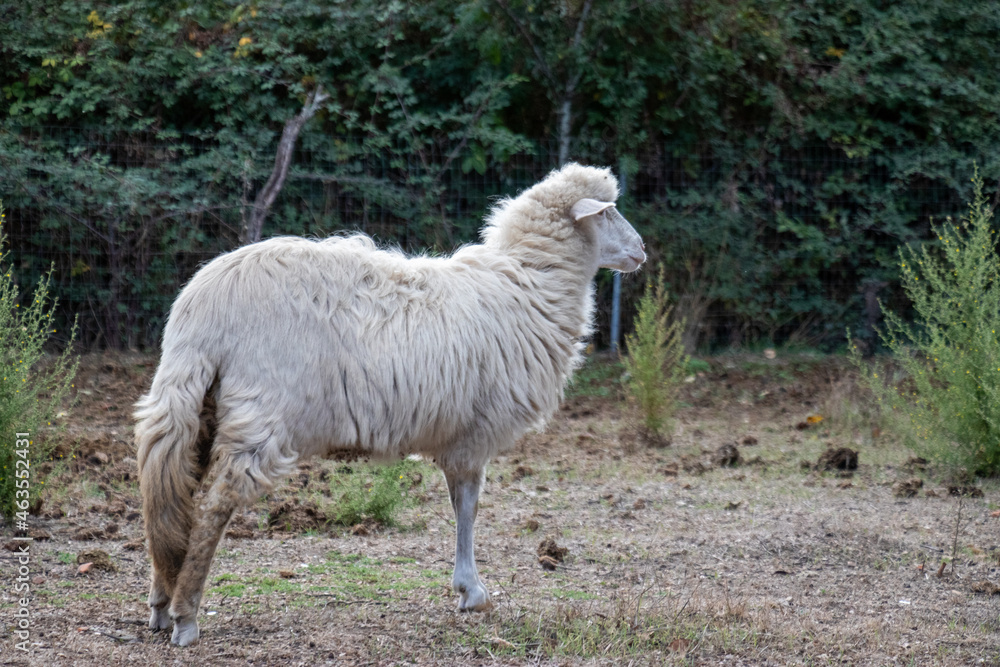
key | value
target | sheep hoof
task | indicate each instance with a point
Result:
(475, 599)
(185, 631)
(159, 619)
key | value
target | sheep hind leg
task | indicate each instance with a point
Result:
(464, 491)
(215, 512)
(159, 601)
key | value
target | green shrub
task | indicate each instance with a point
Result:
(655, 360)
(29, 393)
(942, 391)
(372, 492)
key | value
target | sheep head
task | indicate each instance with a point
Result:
(570, 200)
(619, 246)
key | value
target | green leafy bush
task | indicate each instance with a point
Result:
(29, 393)
(655, 360)
(372, 492)
(943, 389)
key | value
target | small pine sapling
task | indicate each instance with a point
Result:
(29, 394)
(654, 363)
(942, 391)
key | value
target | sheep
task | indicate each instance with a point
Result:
(291, 348)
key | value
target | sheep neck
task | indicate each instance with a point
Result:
(559, 288)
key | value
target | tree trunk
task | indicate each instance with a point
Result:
(565, 114)
(265, 198)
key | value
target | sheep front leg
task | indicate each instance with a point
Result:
(464, 491)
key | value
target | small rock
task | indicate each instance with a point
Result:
(670, 470)
(695, 468)
(547, 562)
(239, 533)
(985, 587)
(98, 458)
(85, 534)
(364, 529)
(969, 491)
(915, 464)
(680, 645)
(907, 488)
(117, 508)
(841, 458)
(84, 568)
(727, 456)
(549, 549)
(97, 559)
(38, 580)
(521, 472)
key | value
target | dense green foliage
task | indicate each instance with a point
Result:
(946, 399)
(655, 361)
(776, 152)
(29, 395)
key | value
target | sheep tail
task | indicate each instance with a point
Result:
(172, 442)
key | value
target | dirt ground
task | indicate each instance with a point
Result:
(673, 555)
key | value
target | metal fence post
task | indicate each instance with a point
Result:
(616, 290)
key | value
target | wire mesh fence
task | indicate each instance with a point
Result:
(760, 243)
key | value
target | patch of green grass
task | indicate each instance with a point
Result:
(625, 628)
(92, 490)
(570, 594)
(66, 558)
(598, 376)
(402, 559)
(694, 365)
(228, 590)
(268, 585)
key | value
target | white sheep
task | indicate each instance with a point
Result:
(290, 348)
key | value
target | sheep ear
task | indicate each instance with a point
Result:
(586, 207)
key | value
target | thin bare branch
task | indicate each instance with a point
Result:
(265, 198)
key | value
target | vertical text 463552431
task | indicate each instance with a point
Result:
(22, 586)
